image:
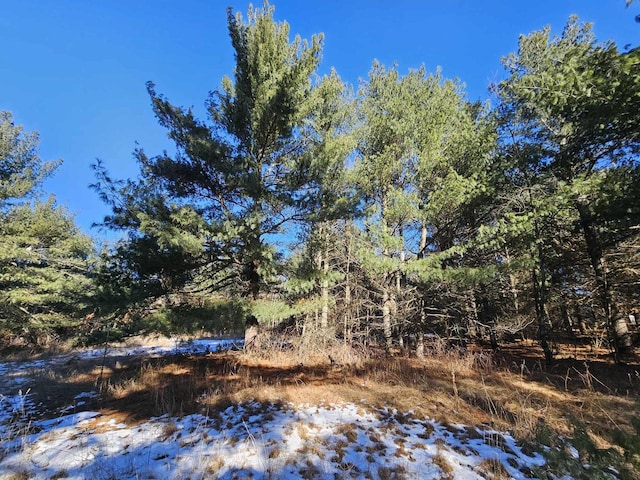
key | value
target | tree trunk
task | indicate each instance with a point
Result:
(386, 320)
(488, 317)
(422, 251)
(513, 285)
(323, 268)
(603, 293)
(471, 315)
(539, 280)
(252, 274)
(541, 314)
(420, 345)
(324, 291)
(252, 329)
(347, 291)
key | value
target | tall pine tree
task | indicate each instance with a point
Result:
(570, 109)
(237, 180)
(45, 280)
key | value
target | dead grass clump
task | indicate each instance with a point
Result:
(168, 430)
(214, 466)
(440, 356)
(506, 406)
(428, 431)
(302, 430)
(169, 386)
(340, 448)
(349, 430)
(20, 475)
(146, 378)
(496, 439)
(310, 349)
(396, 472)
(443, 464)
(315, 447)
(310, 471)
(275, 452)
(402, 451)
(493, 469)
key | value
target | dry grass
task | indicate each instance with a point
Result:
(493, 469)
(286, 351)
(315, 447)
(479, 394)
(214, 466)
(512, 391)
(392, 473)
(21, 475)
(349, 430)
(443, 464)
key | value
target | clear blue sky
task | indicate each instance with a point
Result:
(75, 70)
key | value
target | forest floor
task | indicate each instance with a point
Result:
(187, 410)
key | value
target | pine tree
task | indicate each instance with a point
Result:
(238, 180)
(44, 271)
(422, 150)
(571, 109)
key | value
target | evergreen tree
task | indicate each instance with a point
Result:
(570, 110)
(383, 176)
(422, 151)
(454, 140)
(44, 269)
(238, 180)
(328, 123)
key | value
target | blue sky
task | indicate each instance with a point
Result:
(75, 70)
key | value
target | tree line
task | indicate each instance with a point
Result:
(380, 212)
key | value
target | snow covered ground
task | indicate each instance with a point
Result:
(248, 440)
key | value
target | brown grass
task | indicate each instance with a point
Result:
(349, 430)
(315, 447)
(388, 473)
(493, 469)
(513, 390)
(286, 351)
(213, 466)
(443, 464)
(21, 475)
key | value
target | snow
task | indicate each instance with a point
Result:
(248, 440)
(258, 441)
(15, 371)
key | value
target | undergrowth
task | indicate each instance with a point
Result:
(573, 414)
(579, 456)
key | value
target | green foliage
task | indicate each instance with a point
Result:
(189, 316)
(580, 457)
(217, 316)
(580, 98)
(236, 181)
(138, 269)
(568, 143)
(45, 276)
(21, 169)
(423, 150)
(271, 312)
(630, 443)
(420, 167)
(410, 203)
